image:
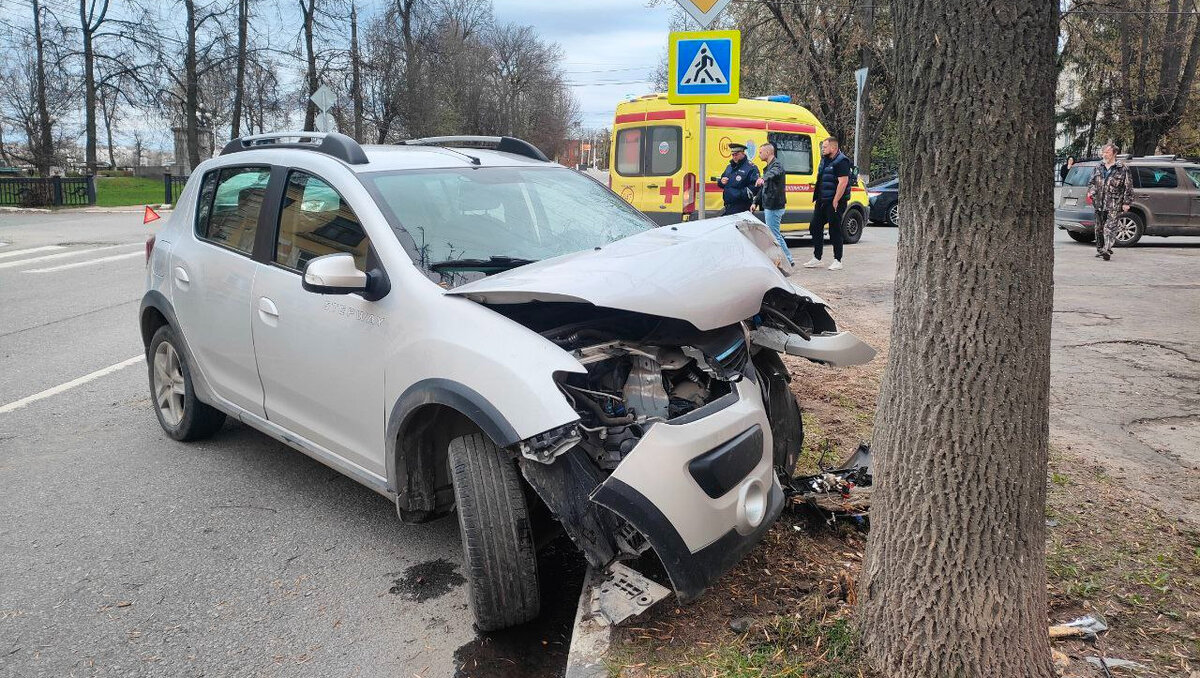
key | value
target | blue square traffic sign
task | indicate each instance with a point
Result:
(703, 67)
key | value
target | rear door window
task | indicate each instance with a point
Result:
(663, 151)
(1079, 175)
(1157, 177)
(1193, 173)
(629, 152)
(229, 205)
(794, 151)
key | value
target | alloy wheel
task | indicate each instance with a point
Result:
(168, 384)
(1126, 229)
(894, 214)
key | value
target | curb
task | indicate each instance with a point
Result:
(590, 639)
(36, 210)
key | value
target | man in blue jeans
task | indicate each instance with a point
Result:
(831, 195)
(772, 194)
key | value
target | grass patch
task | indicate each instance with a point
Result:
(126, 191)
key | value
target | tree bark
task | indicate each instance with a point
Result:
(44, 157)
(239, 85)
(191, 89)
(309, 9)
(356, 95)
(954, 577)
(89, 87)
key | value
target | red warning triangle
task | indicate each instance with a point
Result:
(150, 215)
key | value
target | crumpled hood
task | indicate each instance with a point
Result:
(710, 273)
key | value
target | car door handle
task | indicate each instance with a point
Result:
(268, 312)
(181, 278)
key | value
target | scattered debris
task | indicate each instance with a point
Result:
(1087, 627)
(740, 625)
(838, 493)
(1111, 663)
(624, 593)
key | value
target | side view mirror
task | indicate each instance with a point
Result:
(334, 274)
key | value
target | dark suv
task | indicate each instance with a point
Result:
(1166, 200)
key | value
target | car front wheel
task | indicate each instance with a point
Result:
(493, 519)
(893, 214)
(179, 412)
(852, 226)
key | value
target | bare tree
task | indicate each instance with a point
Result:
(356, 94)
(43, 148)
(239, 91)
(954, 577)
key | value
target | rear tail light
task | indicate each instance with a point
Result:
(149, 248)
(689, 193)
(1089, 199)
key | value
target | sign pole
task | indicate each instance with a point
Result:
(860, 79)
(702, 180)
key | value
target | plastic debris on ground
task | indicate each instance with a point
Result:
(843, 492)
(1087, 628)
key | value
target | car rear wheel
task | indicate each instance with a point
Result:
(852, 226)
(1130, 229)
(498, 546)
(179, 412)
(893, 214)
(1082, 237)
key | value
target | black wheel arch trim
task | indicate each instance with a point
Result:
(158, 301)
(455, 395)
(690, 573)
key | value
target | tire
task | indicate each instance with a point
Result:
(181, 415)
(852, 226)
(783, 412)
(1082, 237)
(893, 215)
(1130, 229)
(498, 547)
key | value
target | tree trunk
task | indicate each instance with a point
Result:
(954, 578)
(239, 87)
(89, 88)
(356, 95)
(1146, 135)
(109, 108)
(310, 109)
(191, 90)
(864, 136)
(44, 156)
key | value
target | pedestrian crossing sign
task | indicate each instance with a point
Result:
(703, 67)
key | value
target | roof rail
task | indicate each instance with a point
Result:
(1168, 156)
(503, 144)
(333, 144)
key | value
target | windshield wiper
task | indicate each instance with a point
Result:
(499, 263)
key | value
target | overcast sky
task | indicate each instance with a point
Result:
(612, 46)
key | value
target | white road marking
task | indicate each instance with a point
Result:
(60, 255)
(89, 262)
(18, 404)
(31, 250)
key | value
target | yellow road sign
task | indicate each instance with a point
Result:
(703, 11)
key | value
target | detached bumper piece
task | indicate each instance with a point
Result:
(840, 349)
(838, 493)
(620, 593)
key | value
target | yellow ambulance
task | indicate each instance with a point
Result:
(655, 157)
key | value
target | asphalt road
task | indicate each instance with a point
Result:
(123, 552)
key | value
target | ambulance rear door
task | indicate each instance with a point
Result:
(795, 145)
(649, 166)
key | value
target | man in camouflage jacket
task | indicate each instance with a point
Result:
(1111, 192)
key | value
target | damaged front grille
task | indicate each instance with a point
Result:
(734, 360)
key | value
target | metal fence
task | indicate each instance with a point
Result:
(48, 191)
(172, 186)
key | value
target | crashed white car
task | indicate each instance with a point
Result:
(461, 325)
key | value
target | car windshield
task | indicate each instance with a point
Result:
(1079, 175)
(490, 218)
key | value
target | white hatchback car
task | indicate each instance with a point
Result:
(455, 320)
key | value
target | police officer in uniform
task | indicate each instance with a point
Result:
(738, 181)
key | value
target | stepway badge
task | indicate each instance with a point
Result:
(704, 67)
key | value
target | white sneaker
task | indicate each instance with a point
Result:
(836, 265)
(812, 263)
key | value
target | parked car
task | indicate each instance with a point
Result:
(1166, 200)
(885, 202)
(460, 324)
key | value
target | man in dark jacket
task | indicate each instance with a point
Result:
(772, 194)
(1111, 193)
(737, 183)
(831, 196)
